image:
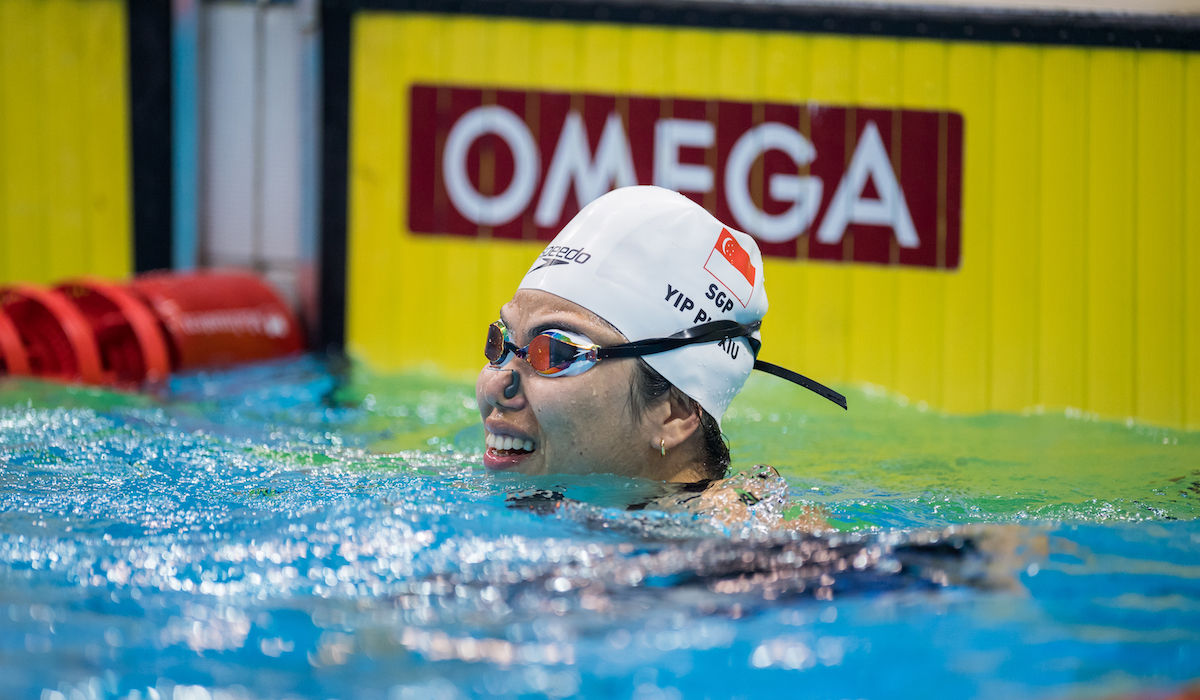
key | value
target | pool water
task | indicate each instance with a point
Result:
(291, 531)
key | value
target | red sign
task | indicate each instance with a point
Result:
(806, 180)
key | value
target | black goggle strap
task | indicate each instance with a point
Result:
(795, 378)
(714, 331)
(704, 333)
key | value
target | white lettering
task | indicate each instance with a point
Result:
(669, 136)
(235, 321)
(573, 163)
(506, 206)
(848, 206)
(803, 192)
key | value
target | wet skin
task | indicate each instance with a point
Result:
(582, 424)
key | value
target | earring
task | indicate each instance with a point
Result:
(662, 445)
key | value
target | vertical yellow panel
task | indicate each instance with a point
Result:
(106, 181)
(1191, 235)
(603, 57)
(786, 75)
(459, 49)
(25, 251)
(557, 67)
(920, 294)
(378, 307)
(877, 75)
(871, 349)
(1015, 243)
(467, 46)
(785, 78)
(516, 56)
(64, 140)
(5, 20)
(967, 365)
(1110, 250)
(1064, 158)
(692, 64)
(421, 53)
(63, 146)
(829, 284)
(465, 262)
(646, 69)
(738, 68)
(1159, 271)
(460, 262)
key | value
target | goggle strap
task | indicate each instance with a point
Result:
(704, 333)
(719, 330)
(707, 333)
(802, 380)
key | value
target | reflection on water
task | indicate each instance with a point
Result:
(253, 540)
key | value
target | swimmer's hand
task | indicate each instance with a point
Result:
(757, 497)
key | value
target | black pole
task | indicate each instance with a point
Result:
(335, 125)
(149, 35)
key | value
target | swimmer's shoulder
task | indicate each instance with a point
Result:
(757, 497)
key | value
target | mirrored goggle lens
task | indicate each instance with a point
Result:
(550, 355)
(493, 350)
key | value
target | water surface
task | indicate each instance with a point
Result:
(272, 533)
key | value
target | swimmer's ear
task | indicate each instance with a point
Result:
(675, 421)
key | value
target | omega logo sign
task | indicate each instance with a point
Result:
(826, 182)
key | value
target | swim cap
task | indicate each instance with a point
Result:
(652, 263)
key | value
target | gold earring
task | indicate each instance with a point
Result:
(662, 445)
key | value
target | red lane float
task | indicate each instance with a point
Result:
(12, 350)
(219, 318)
(56, 336)
(101, 332)
(1188, 692)
(131, 343)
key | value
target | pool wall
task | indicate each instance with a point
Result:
(1079, 278)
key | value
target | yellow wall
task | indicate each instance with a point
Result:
(1080, 276)
(64, 140)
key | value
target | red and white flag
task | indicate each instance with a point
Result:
(730, 264)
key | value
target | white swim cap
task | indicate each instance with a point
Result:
(653, 263)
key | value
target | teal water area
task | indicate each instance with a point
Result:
(288, 531)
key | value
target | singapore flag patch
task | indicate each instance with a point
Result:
(730, 264)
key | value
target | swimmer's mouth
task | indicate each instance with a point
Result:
(504, 451)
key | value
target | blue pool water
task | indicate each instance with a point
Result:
(273, 532)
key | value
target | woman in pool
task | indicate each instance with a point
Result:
(624, 344)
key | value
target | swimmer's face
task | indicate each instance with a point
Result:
(574, 425)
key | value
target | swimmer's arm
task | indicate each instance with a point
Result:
(730, 505)
(729, 501)
(806, 518)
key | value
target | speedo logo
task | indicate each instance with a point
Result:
(560, 255)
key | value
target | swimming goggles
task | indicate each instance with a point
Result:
(559, 354)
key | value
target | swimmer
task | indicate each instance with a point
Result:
(625, 343)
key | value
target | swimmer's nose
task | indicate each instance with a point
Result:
(499, 388)
(514, 385)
